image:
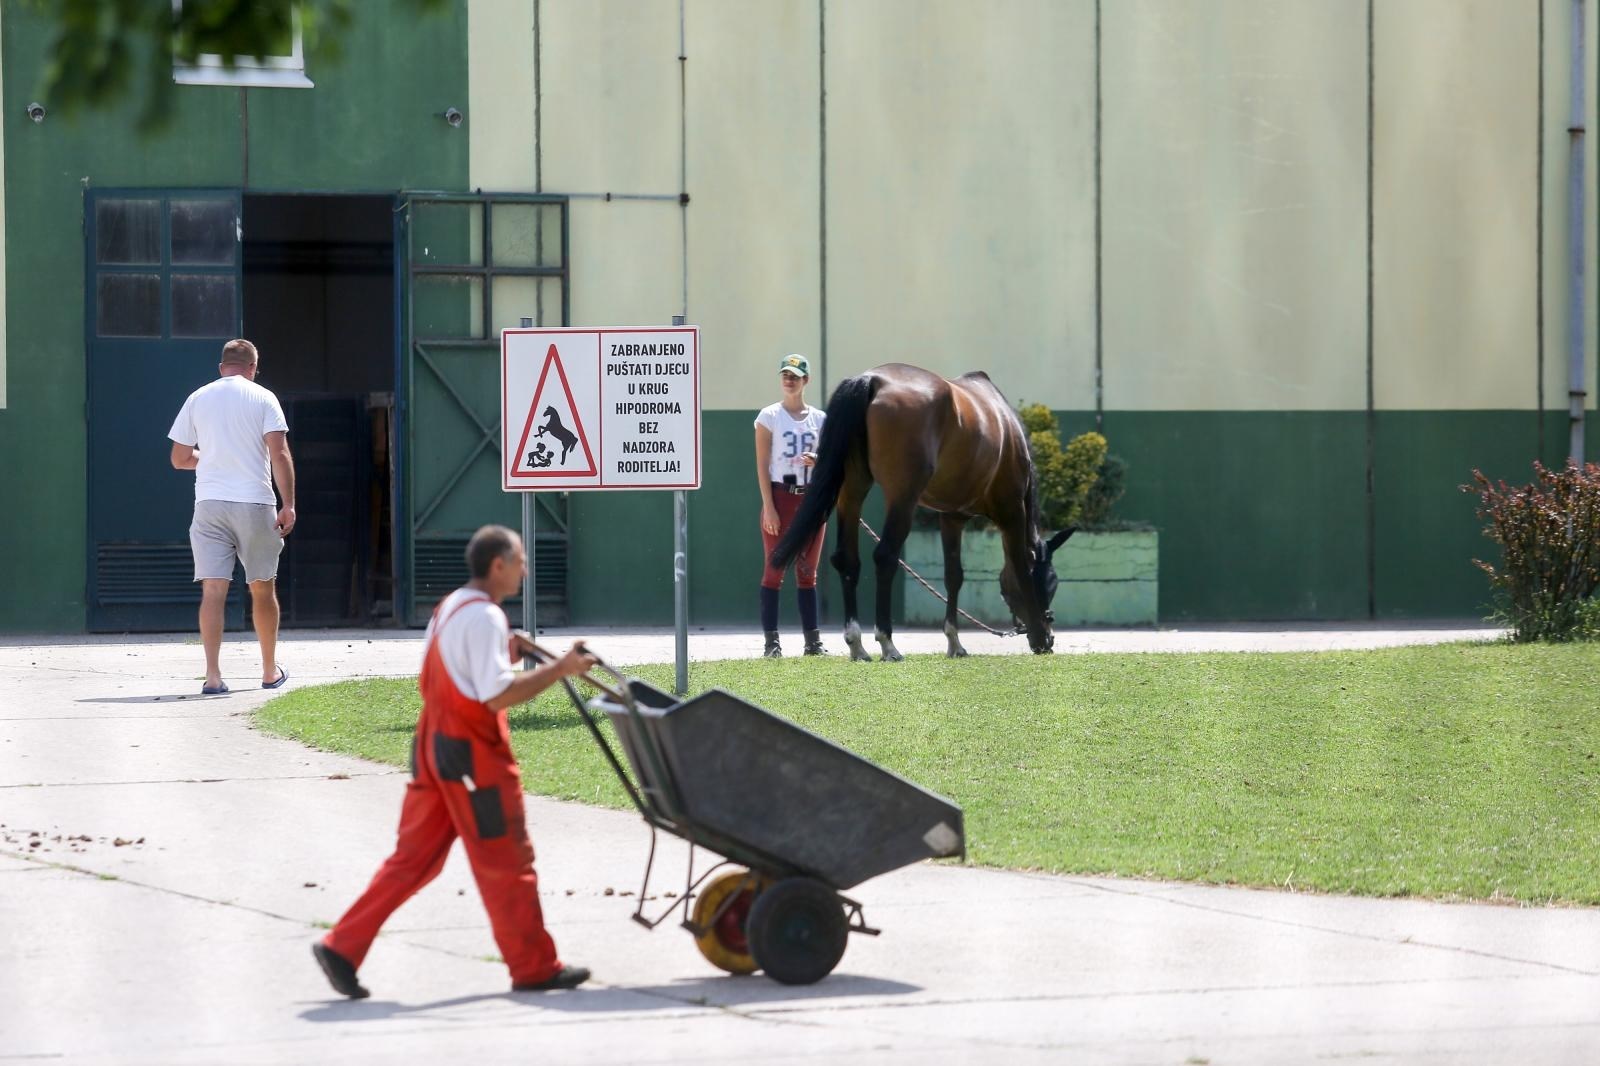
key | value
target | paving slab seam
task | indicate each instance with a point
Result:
(199, 780)
(1351, 934)
(906, 1003)
(310, 927)
(120, 717)
(119, 879)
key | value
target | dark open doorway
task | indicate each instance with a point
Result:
(318, 287)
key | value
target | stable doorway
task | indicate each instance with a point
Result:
(318, 301)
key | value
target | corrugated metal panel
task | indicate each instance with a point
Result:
(441, 568)
(136, 573)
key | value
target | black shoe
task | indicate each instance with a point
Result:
(814, 643)
(341, 975)
(772, 651)
(566, 977)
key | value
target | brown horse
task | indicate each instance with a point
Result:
(956, 447)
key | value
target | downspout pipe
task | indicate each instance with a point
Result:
(1576, 394)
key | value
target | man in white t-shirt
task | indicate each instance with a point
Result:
(232, 434)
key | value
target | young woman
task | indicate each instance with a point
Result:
(786, 449)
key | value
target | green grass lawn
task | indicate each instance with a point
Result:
(1455, 771)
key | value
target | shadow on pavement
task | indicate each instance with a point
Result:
(166, 698)
(712, 992)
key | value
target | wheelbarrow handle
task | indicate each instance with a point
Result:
(543, 654)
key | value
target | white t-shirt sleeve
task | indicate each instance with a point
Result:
(182, 431)
(478, 653)
(768, 416)
(272, 420)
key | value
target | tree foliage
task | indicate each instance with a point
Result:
(101, 47)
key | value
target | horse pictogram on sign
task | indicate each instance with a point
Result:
(553, 441)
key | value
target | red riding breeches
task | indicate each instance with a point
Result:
(805, 564)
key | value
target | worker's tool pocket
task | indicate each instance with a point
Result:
(488, 813)
(452, 757)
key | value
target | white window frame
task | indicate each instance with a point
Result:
(284, 72)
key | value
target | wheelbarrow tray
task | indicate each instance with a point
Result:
(731, 776)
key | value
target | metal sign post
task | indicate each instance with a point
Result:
(680, 581)
(530, 524)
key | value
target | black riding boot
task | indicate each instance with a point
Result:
(772, 651)
(814, 643)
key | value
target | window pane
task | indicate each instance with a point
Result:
(446, 234)
(527, 235)
(447, 307)
(517, 297)
(273, 19)
(204, 232)
(202, 305)
(128, 305)
(127, 231)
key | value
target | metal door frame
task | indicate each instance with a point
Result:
(411, 352)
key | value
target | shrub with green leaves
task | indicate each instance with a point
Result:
(1549, 534)
(1078, 483)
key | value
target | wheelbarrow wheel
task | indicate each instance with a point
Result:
(724, 943)
(797, 931)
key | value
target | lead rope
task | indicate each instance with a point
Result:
(923, 582)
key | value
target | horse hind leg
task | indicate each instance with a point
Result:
(886, 557)
(950, 527)
(846, 559)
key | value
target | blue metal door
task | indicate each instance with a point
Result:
(163, 280)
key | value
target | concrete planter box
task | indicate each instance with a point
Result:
(1106, 578)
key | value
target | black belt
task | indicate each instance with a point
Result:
(793, 490)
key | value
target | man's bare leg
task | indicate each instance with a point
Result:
(264, 612)
(213, 602)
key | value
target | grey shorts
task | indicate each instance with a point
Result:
(223, 531)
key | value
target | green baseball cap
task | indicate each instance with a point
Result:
(795, 364)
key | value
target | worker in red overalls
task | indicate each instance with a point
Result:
(465, 781)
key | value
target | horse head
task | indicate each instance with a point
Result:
(1030, 599)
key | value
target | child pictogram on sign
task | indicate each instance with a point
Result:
(545, 450)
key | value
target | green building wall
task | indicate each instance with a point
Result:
(369, 125)
(1298, 408)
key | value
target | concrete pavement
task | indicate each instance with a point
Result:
(164, 868)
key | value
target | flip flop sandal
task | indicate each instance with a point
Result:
(283, 675)
(221, 689)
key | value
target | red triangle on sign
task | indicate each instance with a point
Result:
(554, 455)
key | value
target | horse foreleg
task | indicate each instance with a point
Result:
(950, 527)
(846, 559)
(886, 558)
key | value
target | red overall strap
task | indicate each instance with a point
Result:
(438, 623)
(446, 707)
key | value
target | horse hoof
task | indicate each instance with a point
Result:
(956, 653)
(859, 655)
(892, 656)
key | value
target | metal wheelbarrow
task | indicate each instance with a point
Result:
(796, 818)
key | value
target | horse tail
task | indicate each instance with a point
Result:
(844, 433)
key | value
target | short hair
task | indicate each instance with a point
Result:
(239, 353)
(487, 545)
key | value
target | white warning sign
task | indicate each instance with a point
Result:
(600, 408)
